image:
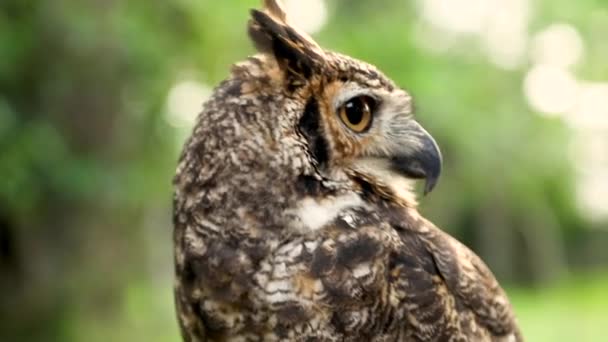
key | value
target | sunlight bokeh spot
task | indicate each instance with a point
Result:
(591, 109)
(461, 16)
(309, 15)
(591, 195)
(185, 101)
(559, 45)
(505, 35)
(550, 90)
(500, 25)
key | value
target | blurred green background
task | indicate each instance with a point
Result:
(97, 96)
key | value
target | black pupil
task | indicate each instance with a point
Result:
(355, 109)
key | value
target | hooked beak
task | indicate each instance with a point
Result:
(419, 156)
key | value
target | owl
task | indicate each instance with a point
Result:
(294, 213)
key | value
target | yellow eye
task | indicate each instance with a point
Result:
(356, 113)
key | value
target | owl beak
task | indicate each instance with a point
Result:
(419, 156)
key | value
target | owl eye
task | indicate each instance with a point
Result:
(356, 113)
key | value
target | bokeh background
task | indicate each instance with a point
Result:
(97, 97)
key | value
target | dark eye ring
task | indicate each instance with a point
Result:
(356, 113)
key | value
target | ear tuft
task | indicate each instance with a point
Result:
(297, 54)
(274, 8)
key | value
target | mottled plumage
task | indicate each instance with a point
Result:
(294, 218)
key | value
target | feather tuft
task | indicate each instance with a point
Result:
(275, 9)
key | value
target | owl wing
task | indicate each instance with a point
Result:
(481, 305)
(362, 276)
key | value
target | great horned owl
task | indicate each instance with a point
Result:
(294, 218)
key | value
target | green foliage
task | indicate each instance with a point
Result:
(572, 311)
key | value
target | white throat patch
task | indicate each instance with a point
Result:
(313, 214)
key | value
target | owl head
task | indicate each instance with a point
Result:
(296, 114)
(356, 121)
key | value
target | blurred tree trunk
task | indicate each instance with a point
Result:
(496, 239)
(543, 247)
(527, 248)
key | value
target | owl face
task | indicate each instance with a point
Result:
(369, 126)
(356, 121)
